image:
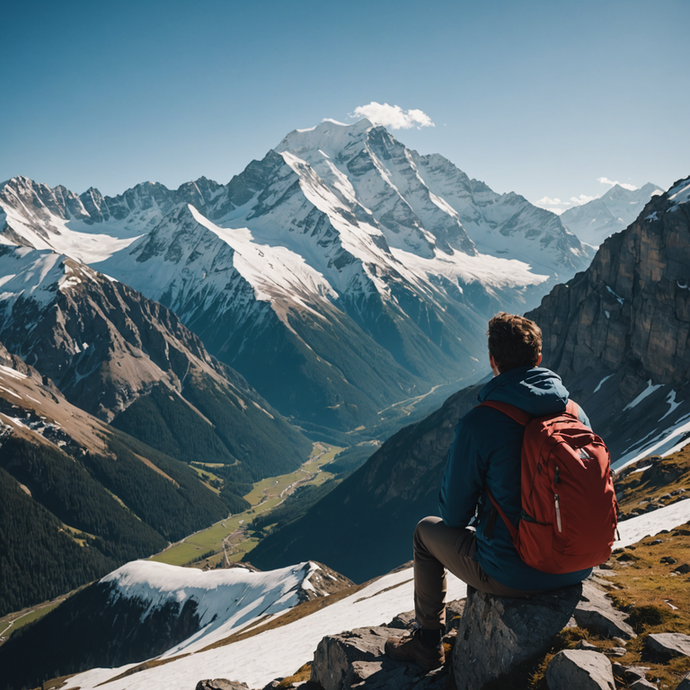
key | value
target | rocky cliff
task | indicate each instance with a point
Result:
(618, 333)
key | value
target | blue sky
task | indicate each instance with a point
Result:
(541, 98)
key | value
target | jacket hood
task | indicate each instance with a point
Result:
(536, 390)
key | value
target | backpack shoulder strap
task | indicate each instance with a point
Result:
(520, 416)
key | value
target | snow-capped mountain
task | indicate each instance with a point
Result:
(145, 609)
(612, 212)
(340, 274)
(130, 361)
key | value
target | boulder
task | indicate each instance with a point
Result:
(669, 644)
(357, 659)
(595, 612)
(581, 669)
(629, 673)
(496, 634)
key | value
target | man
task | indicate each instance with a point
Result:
(485, 455)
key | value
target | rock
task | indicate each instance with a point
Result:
(496, 634)
(583, 644)
(357, 659)
(669, 644)
(630, 673)
(642, 684)
(581, 669)
(335, 654)
(616, 651)
(620, 641)
(221, 684)
(454, 612)
(682, 569)
(595, 612)
(685, 683)
(403, 621)
(669, 560)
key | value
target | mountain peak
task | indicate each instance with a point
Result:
(328, 136)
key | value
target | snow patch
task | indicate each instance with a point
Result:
(646, 392)
(618, 297)
(672, 404)
(8, 371)
(606, 378)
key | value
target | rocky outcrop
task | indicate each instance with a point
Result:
(496, 634)
(488, 638)
(356, 659)
(595, 612)
(669, 644)
(581, 669)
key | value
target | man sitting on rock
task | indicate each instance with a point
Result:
(485, 455)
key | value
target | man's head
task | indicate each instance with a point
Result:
(514, 341)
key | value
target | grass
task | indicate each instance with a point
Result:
(661, 477)
(235, 531)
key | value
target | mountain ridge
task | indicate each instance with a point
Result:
(339, 227)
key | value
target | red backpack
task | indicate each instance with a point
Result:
(569, 508)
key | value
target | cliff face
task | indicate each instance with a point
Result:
(627, 317)
(632, 306)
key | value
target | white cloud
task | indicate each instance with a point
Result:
(605, 180)
(546, 201)
(557, 206)
(393, 116)
(582, 199)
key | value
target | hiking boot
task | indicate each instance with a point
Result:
(411, 648)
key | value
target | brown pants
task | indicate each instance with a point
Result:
(438, 547)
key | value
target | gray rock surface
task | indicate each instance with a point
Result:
(496, 634)
(356, 659)
(221, 684)
(669, 644)
(595, 612)
(581, 669)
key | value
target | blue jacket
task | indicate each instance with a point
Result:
(486, 453)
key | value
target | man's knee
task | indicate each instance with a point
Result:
(424, 526)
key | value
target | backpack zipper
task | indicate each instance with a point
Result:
(558, 513)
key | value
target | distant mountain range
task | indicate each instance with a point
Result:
(617, 334)
(612, 212)
(339, 275)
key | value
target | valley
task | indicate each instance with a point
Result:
(229, 540)
(225, 542)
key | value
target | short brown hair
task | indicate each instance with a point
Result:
(514, 341)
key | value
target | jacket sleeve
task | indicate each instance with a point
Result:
(463, 480)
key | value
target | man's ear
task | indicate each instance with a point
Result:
(492, 364)
(538, 361)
